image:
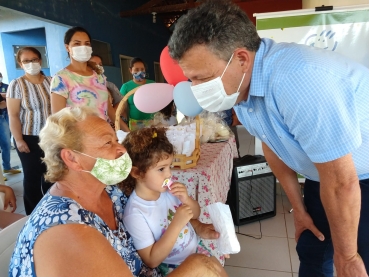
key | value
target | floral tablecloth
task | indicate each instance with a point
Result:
(210, 180)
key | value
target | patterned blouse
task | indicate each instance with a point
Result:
(35, 105)
(56, 210)
(81, 90)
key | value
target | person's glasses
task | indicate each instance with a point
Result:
(35, 60)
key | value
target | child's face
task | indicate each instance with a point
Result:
(156, 175)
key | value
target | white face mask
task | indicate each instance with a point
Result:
(32, 68)
(212, 96)
(1, 79)
(81, 53)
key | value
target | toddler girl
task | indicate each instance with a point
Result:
(157, 218)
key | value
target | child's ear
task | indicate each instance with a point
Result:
(135, 173)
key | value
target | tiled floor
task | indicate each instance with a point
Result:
(272, 256)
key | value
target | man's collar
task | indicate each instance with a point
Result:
(256, 84)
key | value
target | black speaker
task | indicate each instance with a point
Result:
(252, 195)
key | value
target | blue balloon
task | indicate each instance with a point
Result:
(184, 99)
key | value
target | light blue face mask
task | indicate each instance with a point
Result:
(139, 76)
(110, 172)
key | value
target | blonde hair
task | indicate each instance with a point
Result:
(60, 132)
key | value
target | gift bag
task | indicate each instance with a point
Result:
(221, 216)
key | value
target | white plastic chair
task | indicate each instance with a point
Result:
(8, 237)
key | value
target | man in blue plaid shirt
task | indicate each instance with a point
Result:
(310, 108)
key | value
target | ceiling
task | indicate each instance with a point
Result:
(166, 11)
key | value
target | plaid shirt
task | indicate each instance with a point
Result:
(309, 106)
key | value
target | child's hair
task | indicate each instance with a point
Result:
(146, 147)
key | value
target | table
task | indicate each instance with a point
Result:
(210, 180)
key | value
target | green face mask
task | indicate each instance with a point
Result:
(110, 172)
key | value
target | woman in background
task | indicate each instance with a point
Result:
(115, 96)
(28, 102)
(81, 83)
(137, 119)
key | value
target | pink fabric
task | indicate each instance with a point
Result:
(210, 180)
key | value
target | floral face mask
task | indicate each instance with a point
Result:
(139, 76)
(110, 172)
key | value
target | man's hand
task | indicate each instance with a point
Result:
(22, 146)
(304, 222)
(350, 267)
(205, 231)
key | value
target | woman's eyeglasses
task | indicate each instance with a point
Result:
(35, 60)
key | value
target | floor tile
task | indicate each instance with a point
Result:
(286, 204)
(20, 204)
(270, 253)
(17, 188)
(279, 204)
(243, 272)
(22, 212)
(279, 189)
(290, 225)
(272, 227)
(13, 178)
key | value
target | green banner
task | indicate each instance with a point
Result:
(313, 20)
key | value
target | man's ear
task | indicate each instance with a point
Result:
(70, 159)
(244, 59)
(135, 173)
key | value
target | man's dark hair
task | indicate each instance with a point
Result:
(219, 24)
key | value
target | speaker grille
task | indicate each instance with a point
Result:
(256, 196)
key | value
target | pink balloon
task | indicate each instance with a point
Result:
(151, 98)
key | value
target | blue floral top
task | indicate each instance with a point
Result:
(55, 210)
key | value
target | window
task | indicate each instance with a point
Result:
(102, 49)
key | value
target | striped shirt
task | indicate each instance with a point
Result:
(35, 105)
(309, 106)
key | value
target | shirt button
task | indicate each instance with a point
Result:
(251, 110)
(263, 136)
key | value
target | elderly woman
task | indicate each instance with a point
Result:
(77, 228)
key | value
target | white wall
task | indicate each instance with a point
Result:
(311, 4)
(11, 21)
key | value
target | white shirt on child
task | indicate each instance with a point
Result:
(146, 221)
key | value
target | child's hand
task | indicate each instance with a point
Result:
(180, 191)
(182, 216)
(9, 198)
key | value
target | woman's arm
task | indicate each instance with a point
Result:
(111, 114)
(79, 257)
(58, 102)
(9, 197)
(198, 265)
(15, 124)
